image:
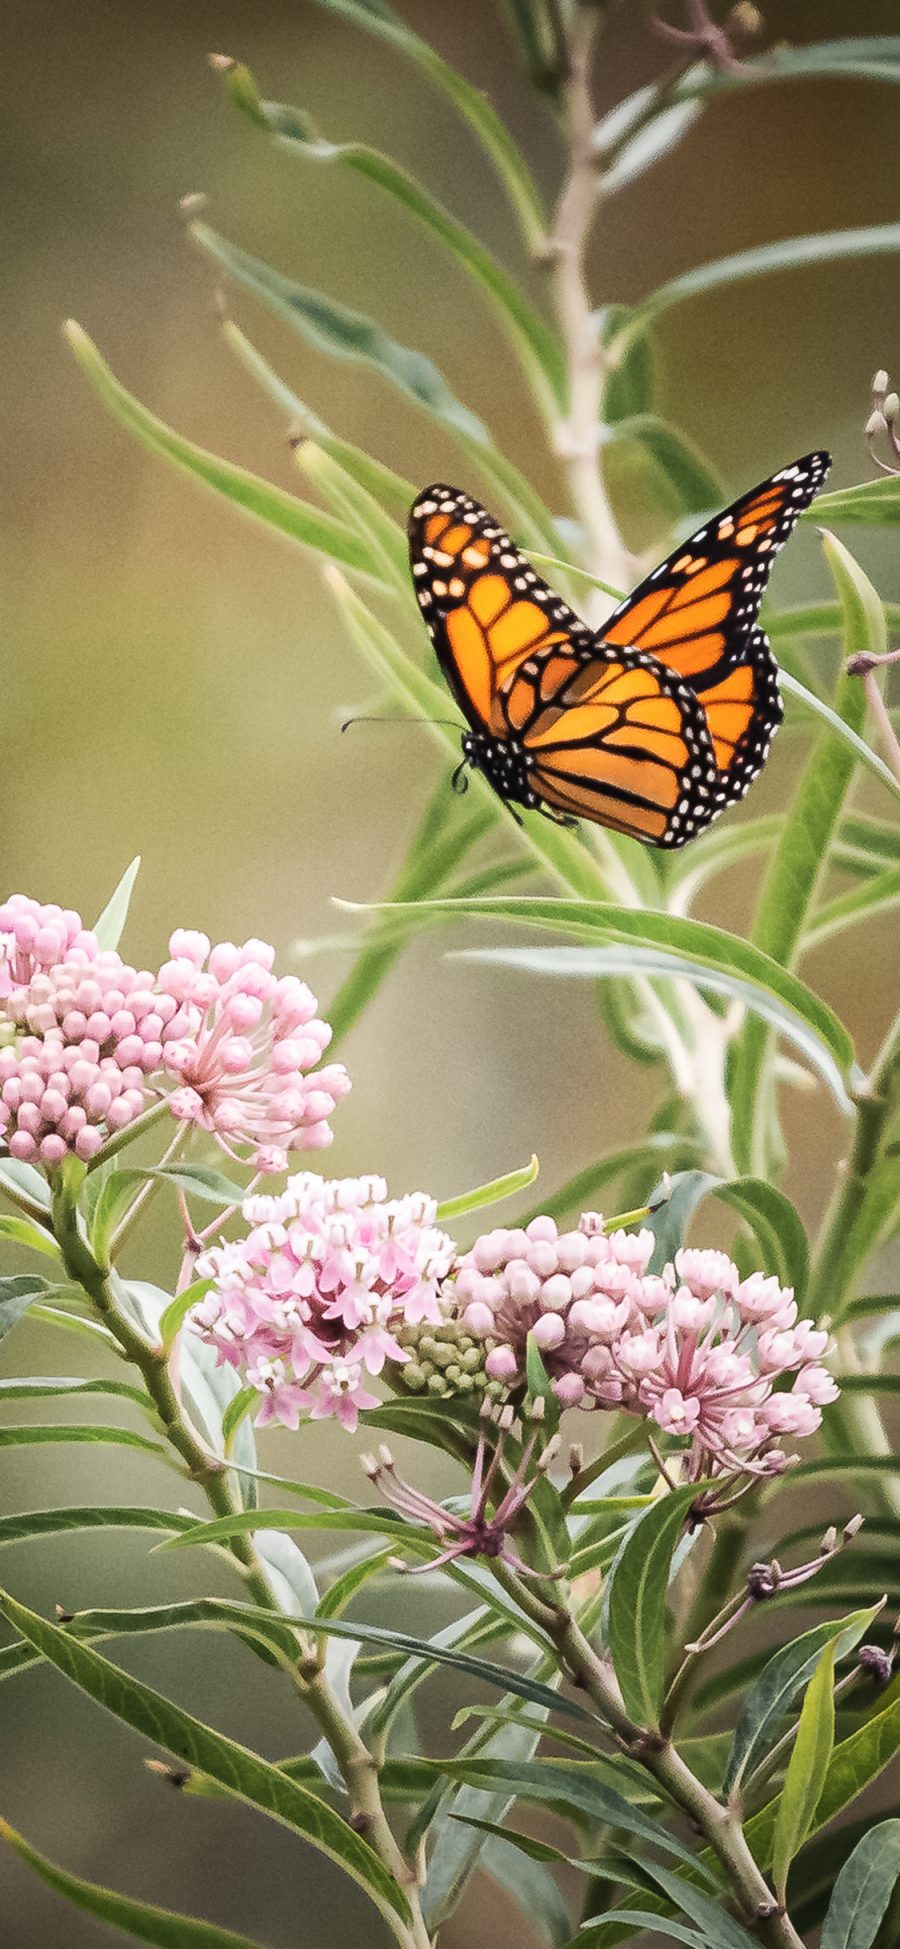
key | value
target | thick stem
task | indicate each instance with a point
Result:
(357, 1765)
(578, 438)
(761, 1913)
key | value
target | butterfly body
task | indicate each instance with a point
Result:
(651, 726)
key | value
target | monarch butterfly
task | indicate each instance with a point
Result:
(651, 725)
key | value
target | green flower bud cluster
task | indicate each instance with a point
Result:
(446, 1360)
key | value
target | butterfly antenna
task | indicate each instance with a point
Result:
(449, 722)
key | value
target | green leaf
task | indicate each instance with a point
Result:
(540, 1386)
(807, 1768)
(17, 1296)
(61, 1522)
(380, 19)
(345, 334)
(29, 1433)
(488, 1194)
(688, 482)
(638, 131)
(23, 1232)
(174, 1315)
(717, 1928)
(531, 337)
(110, 926)
(241, 1772)
(669, 1222)
(33, 1387)
(840, 728)
(863, 1889)
(773, 1692)
(816, 618)
(580, 1192)
(530, 1886)
(866, 902)
(142, 1920)
(776, 1224)
(799, 862)
(296, 519)
(22, 1181)
(642, 1918)
(427, 1649)
(636, 1597)
(562, 1784)
(789, 254)
(669, 943)
(356, 505)
(872, 502)
(195, 1613)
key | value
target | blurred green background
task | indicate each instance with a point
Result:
(174, 680)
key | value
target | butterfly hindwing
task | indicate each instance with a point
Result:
(698, 614)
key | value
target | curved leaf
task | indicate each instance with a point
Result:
(17, 1297)
(380, 19)
(871, 503)
(345, 334)
(532, 338)
(863, 1889)
(636, 1600)
(788, 254)
(110, 926)
(841, 729)
(876, 896)
(807, 1767)
(142, 1920)
(488, 1194)
(60, 1522)
(240, 1771)
(773, 1692)
(31, 1387)
(27, 1433)
(559, 1782)
(257, 497)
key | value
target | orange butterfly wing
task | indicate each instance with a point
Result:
(601, 734)
(697, 613)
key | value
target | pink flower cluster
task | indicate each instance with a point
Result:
(310, 1301)
(84, 1030)
(697, 1350)
(88, 1042)
(243, 1043)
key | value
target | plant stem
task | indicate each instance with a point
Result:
(578, 437)
(357, 1765)
(761, 1913)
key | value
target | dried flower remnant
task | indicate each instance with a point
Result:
(311, 1302)
(882, 425)
(497, 1498)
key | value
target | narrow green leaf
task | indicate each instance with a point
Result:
(27, 1523)
(863, 1889)
(357, 506)
(797, 866)
(296, 519)
(22, 1181)
(717, 1927)
(28, 1434)
(776, 1224)
(773, 1692)
(816, 618)
(643, 1918)
(789, 254)
(426, 1649)
(530, 1886)
(867, 902)
(660, 1150)
(160, 1926)
(23, 1232)
(17, 1296)
(110, 926)
(840, 728)
(33, 1387)
(173, 1317)
(560, 1783)
(380, 19)
(530, 336)
(689, 484)
(636, 1593)
(488, 1194)
(807, 1768)
(345, 334)
(871, 503)
(240, 1771)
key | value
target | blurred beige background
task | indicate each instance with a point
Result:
(173, 681)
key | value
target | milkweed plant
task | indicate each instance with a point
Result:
(653, 1457)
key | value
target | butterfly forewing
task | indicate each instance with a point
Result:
(698, 614)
